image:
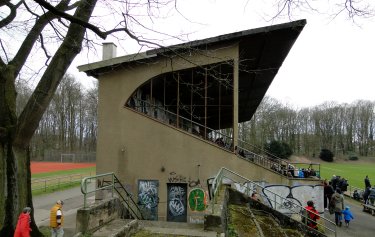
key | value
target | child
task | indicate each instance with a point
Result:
(347, 215)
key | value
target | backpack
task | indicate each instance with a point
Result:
(332, 205)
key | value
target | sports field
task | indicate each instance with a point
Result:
(52, 176)
(352, 171)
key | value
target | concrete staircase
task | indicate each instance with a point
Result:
(162, 228)
(142, 228)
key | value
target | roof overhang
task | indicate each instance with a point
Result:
(262, 52)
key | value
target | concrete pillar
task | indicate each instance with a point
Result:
(235, 97)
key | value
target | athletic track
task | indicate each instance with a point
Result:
(42, 167)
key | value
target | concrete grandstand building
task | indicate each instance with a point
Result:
(168, 118)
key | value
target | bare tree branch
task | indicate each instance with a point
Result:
(44, 49)
(2, 64)
(13, 12)
(32, 113)
(24, 51)
(72, 19)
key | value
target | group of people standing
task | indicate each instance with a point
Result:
(369, 193)
(334, 200)
(23, 228)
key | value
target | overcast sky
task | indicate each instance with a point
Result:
(332, 60)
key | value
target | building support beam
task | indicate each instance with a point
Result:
(235, 98)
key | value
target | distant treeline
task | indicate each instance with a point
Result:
(345, 129)
(70, 124)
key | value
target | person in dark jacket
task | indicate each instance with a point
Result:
(23, 224)
(367, 182)
(334, 181)
(366, 194)
(328, 192)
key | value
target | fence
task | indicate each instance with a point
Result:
(62, 156)
(41, 184)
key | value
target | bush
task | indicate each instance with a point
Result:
(279, 149)
(326, 155)
(353, 157)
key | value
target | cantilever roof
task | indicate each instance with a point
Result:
(262, 51)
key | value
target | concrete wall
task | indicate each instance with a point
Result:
(137, 147)
(98, 214)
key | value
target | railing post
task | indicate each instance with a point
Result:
(113, 183)
(275, 202)
(45, 185)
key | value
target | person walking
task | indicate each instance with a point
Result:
(328, 192)
(347, 215)
(337, 202)
(366, 193)
(57, 219)
(312, 215)
(367, 182)
(23, 224)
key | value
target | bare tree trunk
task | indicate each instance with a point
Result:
(15, 173)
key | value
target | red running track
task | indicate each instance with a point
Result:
(42, 167)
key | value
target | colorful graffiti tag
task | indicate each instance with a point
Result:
(197, 200)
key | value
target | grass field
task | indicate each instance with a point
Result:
(355, 173)
(48, 182)
(64, 172)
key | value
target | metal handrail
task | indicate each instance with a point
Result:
(228, 140)
(279, 164)
(218, 181)
(128, 200)
(137, 212)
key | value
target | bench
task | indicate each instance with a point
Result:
(369, 208)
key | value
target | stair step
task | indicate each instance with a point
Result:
(180, 232)
(163, 228)
(112, 228)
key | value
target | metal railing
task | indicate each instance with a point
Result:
(249, 186)
(109, 182)
(165, 116)
(270, 161)
(56, 182)
(350, 191)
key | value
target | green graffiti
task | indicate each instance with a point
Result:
(197, 200)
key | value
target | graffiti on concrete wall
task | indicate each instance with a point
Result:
(148, 198)
(177, 202)
(197, 199)
(287, 197)
(249, 187)
(176, 178)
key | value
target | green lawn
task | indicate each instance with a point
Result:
(355, 173)
(91, 170)
(43, 183)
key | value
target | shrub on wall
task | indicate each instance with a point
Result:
(326, 155)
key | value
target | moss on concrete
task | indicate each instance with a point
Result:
(240, 222)
(146, 233)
